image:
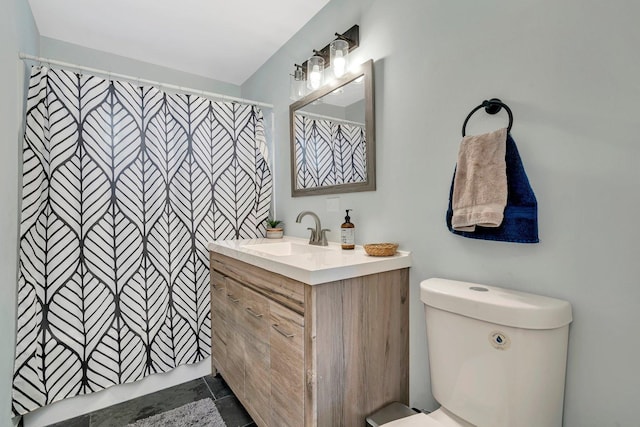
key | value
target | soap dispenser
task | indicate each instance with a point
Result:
(348, 233)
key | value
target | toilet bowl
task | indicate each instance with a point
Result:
(497, 357)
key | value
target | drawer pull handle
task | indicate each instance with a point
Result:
(253, 313)
(233, 299)
(283, 333)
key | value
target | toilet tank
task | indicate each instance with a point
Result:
(497, 357)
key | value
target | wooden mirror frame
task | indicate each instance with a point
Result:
(366, 70)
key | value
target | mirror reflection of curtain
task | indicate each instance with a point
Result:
(328, 152)
(123, 186)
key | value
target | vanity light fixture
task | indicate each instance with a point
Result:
(334, 55)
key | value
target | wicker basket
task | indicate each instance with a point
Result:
(381, 249)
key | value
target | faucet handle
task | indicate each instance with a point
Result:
(313, 235)
(323, 237)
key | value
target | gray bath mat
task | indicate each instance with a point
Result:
(202, 413)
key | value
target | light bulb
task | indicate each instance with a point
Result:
(315, 77)
(315, 72)
(339, 64)
(339, 52)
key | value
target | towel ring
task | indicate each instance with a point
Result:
(492, 106)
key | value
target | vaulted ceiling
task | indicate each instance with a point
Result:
(226, 40)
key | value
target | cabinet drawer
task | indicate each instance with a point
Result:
(287, 367)
(286, 291)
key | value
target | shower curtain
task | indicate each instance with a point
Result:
(328, 152)
(123, 186)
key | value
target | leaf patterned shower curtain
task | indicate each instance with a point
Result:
(328, 152)
(123, 186)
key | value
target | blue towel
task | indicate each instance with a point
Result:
(520, 223)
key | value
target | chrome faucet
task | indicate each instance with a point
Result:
(318, 235)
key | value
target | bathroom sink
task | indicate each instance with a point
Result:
(286, 248)
(295, 258)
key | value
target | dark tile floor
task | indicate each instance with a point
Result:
(232, 412)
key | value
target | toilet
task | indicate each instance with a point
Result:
(497, 357)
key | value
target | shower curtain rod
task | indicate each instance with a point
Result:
(27, 57)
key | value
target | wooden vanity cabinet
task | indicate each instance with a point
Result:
(299, 355)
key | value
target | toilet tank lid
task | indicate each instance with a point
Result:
(496, 305)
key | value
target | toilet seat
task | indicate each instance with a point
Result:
(417, 420)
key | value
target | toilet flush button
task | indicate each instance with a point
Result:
(499, 340)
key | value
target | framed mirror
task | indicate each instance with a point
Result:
(333, 137)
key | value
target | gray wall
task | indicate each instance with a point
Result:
(355, 112)
(75, 54)
(17, 33)
(569, 71)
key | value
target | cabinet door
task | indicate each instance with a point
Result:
(235, 340)
(287, 367)
(256, 352)
(219, 326)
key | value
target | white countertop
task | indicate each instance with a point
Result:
(324, 264)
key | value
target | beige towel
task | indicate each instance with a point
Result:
(480, 183)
